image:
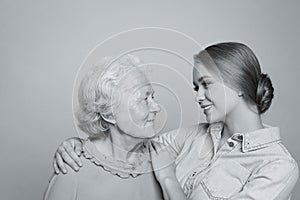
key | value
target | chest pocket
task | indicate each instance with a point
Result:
(224, 180)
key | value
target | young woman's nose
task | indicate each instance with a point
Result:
(200, 96)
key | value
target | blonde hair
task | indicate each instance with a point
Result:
(240, 69)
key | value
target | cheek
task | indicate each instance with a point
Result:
(122, 115)
(216, 95)
(138, 112)
(231, 102)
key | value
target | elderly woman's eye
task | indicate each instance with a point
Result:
(145, 100)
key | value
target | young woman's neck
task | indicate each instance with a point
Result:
(119, 145)
(242, 120)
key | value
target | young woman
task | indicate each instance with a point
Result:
(234, 155)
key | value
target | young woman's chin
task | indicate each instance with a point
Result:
(214, 118)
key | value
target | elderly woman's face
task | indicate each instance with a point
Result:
(137, 108)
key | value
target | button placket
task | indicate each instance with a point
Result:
(231, 144)
(225, 149)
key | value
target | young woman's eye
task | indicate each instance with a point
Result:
(205, 84)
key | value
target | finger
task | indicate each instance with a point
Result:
(153, 157)
(66, 158)
(56, 170)
(150, 148)
(60, 163)
(153, 154)
(159, 146)
(78, 150)
(77, 144)
(172, 152)
(153, 146)
(71, 153)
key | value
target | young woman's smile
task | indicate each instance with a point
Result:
(215, 98)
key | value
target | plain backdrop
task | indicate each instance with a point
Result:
(43, 43)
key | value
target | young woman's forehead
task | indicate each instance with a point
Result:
(201, 72)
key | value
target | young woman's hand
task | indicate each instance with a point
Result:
(163, 161)
(68, 152)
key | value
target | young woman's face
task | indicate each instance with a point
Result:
(137, 108)
(215, 98)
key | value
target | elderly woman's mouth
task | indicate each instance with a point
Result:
(150, 121)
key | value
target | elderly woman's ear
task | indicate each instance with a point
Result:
(110, 119)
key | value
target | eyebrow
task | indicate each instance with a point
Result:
(201, 79)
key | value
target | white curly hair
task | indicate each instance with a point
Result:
(96, 93)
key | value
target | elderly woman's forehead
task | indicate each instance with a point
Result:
(133, 79)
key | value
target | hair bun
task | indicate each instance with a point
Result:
(264, 93)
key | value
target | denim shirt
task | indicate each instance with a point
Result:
(252, 165)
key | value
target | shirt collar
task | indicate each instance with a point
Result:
(260, 138)
(250, 140)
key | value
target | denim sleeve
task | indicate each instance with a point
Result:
(176, 138)
(273, 181)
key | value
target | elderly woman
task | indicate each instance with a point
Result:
(116, 111)
(234, 155)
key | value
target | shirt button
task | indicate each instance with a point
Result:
(231, 144)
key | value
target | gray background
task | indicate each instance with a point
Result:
(42, 44)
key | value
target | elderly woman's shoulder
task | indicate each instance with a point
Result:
(62, 186)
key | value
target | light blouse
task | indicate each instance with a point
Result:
(103, 178)
(253, 165)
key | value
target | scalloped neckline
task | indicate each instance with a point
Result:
(119, 168)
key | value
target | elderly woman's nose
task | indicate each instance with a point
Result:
(155, 107)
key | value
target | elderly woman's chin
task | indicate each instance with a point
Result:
(146, 132)
(150, 132)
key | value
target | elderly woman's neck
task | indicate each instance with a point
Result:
(120, 145)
